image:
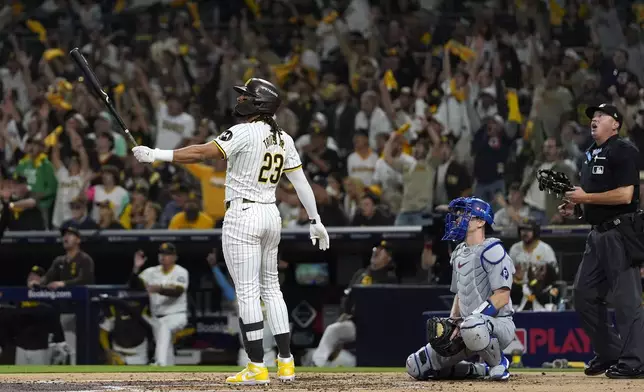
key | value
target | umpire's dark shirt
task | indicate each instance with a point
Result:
(78, 271)
(612, 165)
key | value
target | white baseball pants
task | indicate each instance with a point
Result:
(334, 335)
(137, 355)
(250, 237)
(33, 357)
(164, 329)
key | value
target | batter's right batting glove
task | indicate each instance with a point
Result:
(319, 234)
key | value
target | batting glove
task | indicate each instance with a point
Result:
(319, 234)
(144, 154)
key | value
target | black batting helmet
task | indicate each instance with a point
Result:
(262, 94)
(529, 224)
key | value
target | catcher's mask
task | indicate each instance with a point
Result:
(258, 96)
(461, 211)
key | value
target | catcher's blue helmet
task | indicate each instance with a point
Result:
(461, 210)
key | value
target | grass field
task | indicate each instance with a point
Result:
(211, 378)
(12, 369)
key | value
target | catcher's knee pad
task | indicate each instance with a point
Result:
(475, 331)
(419, 364)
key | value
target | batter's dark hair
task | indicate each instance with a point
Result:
(275, 128)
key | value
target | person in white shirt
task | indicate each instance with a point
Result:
(514, 212)
(361, 163)
(166, 285)
(174, 125)
(71, 180)
(372, 117)
(531, 251)
(389, 172)
(110, 191)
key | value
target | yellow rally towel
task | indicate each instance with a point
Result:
(514, 114)
(459, 94)
(119, 6)
(52, 138)
(638, 10)
(254, 7)
(557, 12)
(119, 89)
(390, 80)
(458, 49)
(529, 127)
(193, 8)
(51, 54)
(331, 17)
(17, 8)
(36, 27)
(426, 39)
(282, 71)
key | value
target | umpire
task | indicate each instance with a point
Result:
(609, 193)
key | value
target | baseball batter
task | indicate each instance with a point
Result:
(166, 285)
(258, 152)
(480, 322)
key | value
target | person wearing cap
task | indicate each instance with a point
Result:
(133, 213)
(191, 218)
(166, 284)
(609, 195)
(179, 193)
(372, 117)
(74, 268)
(20, 209)
(40, 175)
(318, 121)
(381, 270)
(80, 218)
(34, 324)
(319, 160)
(106, 217)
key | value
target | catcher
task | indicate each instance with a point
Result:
(480, 323)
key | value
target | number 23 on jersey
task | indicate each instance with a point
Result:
(272, 168)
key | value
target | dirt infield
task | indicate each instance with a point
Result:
(166, 382)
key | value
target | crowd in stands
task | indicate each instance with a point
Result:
(396, 107)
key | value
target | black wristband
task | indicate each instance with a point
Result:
(312, 221)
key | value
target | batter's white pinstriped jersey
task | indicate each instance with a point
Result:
(257, 157)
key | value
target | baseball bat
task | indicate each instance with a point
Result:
(95, 86)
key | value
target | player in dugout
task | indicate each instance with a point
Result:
(34, 328)
(124, 331)
(330, 352)
(74, 268)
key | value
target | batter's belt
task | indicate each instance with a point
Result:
(245, 201)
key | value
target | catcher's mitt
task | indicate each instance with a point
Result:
(439, 333)
(557, 183)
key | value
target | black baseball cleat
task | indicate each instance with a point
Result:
(595, 367)
(622, 371)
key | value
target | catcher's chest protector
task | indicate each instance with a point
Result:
(474, 276)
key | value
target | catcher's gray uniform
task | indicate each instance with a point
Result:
(477, 271)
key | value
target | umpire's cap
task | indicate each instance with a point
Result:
(606, 109)
(167, 248)
(70, 230)
(262, 93)
(38, 270)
